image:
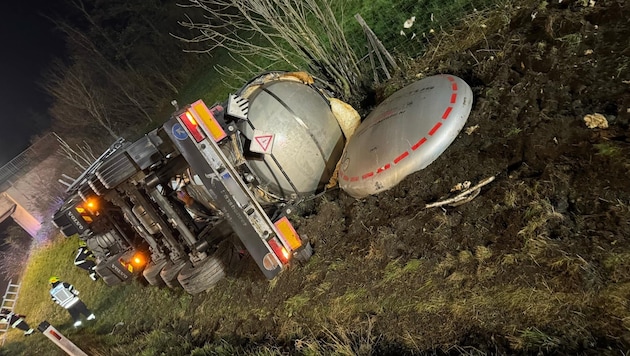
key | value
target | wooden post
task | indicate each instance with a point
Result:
(376, 47)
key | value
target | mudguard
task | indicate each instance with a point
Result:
(404, 134)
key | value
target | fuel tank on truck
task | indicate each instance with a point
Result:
(295, 139)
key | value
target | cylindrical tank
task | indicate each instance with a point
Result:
(307, 140)
(404, 134)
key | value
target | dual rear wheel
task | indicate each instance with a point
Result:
(194, 278)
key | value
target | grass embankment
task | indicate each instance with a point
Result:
(326, 307)
(118, 309)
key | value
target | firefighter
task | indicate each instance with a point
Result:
(15, 320)
(65, 295)
(81, 260)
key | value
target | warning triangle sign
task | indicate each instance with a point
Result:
(262, 142)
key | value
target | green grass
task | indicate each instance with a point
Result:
(207, 84)
(608, 149)
(532, 339)
(513, 132)
(331, 317)
(395, 271)
(386, 19)
(124, 304)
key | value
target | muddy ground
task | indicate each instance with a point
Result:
(538, 262)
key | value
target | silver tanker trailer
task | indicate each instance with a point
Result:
(189, 200)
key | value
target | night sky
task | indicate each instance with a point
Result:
(28, 43)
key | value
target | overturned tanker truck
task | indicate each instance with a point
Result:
(181, 205)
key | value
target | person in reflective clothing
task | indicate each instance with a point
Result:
(81, 260)
(15, 320)
(65, 295)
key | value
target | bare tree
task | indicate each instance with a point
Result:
(80, 155)
(74, 89)
(298, 33)
(115, 76)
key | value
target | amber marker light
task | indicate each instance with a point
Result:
(138, 260)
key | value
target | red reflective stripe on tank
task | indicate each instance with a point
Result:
(419, 143)
(345, 177)
(384, 168)
(447, 112)
(401, 157)
(435, 128)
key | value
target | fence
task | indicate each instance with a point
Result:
(23, 162)
(409, 25)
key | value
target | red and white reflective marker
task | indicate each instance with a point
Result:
(57, 337)
(404, 134)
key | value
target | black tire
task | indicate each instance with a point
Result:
(205, 274)
(152, 272)
(171, 271)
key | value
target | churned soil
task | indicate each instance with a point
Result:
(539, 261)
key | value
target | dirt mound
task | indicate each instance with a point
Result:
(541, 259)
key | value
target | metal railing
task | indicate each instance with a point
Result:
(22, 163)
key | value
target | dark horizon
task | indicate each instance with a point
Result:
(30, 43)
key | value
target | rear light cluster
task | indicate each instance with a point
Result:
(197, 113)
(279, 250)
(289, 238)
(191, 124)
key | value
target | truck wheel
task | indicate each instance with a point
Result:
(152, 272)
(198, 278)
(171, 271)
